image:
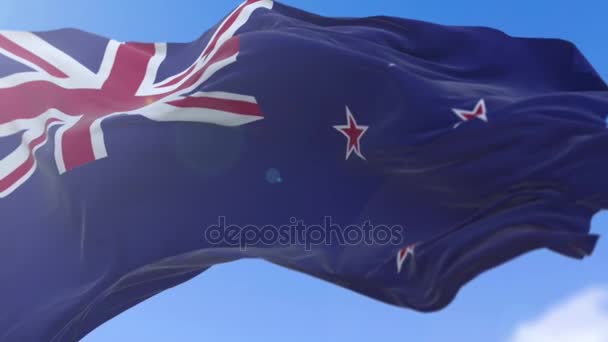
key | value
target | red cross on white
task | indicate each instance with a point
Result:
(60, 91)
(479, 112)
(353, 133)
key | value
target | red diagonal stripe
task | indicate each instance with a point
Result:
(17, 50)
(179, 78)
(229, 49)
(229, 22)
(28, 164)
(213, 43)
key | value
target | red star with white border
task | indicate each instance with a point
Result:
(353, 133)
(403, 254)
(479, 112)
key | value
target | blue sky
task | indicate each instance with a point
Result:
(256, 301)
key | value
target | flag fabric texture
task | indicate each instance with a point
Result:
(115, 158)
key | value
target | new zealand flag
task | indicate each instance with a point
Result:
(394, 157)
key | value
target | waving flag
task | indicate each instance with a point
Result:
(394, 157)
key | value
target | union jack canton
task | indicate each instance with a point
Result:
(57, 89)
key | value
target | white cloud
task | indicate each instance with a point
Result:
(582, 318)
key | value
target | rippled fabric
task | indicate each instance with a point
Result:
(115, 158)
